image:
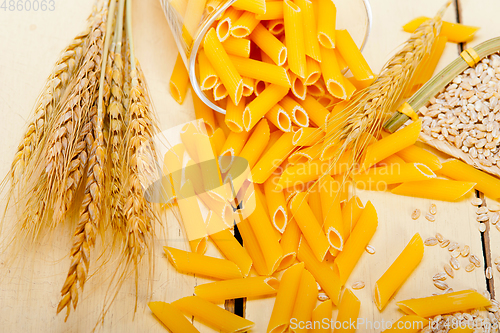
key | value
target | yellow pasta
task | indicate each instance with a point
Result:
(248, 86)
(220, 92)
(279, 118)
(232, 147)
(399, 271)
(191, 22)
(408, 324)
(316, 112)
(254, 6)
(295, 111)
(212, 314)
(273, 158)
(437, 189)
(269, 44)
(294, 35)
(259, 87)
(274, 11)
(290, 244)
(219, 291)
(446, 303)
(221, 123)
(208, 77)
(299, 89)
(179, 81)
(455, 32)
(332, 213)
(307, 294)
(234, 115)
(212, 5)
(307, 136)
(314, 202)
(391, 160)
(305, 155)
(352, 55)
(321, 317)
(317, 90)
(171, 317)
(336, 84)
(244, 26)
(252, 247)
(237, 46)
(310, 29)
(342, 63)
(327, 15)
(355, 245)
(377, 179)
(415, 154)
(391, 144)
(276, 203)
(223, 29)
(256, 143)
(309, 226)
(348, 312)
(223, 66)
(257, 108)
(464, 329)
(428, 65)
(194, 263)
(459, 170)
(260, 70)
(285, 299)
(276, 27)
(358, 84)
(313, 71)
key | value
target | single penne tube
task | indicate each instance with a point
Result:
(227, 243)
(308, 136)
(219, 117)
(220, 92)
(194, 263)
(232, 147)
(274, 11)
(295, 111)
(244, 26)
(317, 90)
(248, 86)
(455, 32)
(212, 314)
(260, 70)
(342, 63)
(234, 115)
(313, 71)
(204, 112)
(425, 73)
(192, 220)
(351, 213)
(299, 89)
(314, 202)
(294, 35)
(179, 81)
(459, 170)
(208, 77)
(252, 247)
(276, 203)
(391, 160)
(358, 84)
(309, 226)
(285, 299)
(237, 46)
(225, 69)
(307, 295)
(191, 22)
(436, 189)
(327, 15)
(355, 245)
(415, 154)
(408, 324)
(172, 317)
(254, 6)
(276, 27)
(348, 312)
(219, 291)
(333, 225)
(310, 29)
(257, 108)
(289, 243)
(352, 55)
(399, 271)
(256, 143)
(442, 304)
(305, 155)
(335, 82)
(321, 317)
(269, 44)
(378, 178)
(321, 271)
(259, 87)
(279, 118)
(172, 170)
(273, 158)
(223, 28)
(212, 5)
(391, 144)
(316, 112)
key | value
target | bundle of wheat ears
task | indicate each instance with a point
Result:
(90, 120)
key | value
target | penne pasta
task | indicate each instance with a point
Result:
(428, 65)
(332, 213)
(316, 112)
(223, 29)
(237, 46)
(295, 111)
(391, 144)
(256, 143)
(212, 5)
(437, 189)
(219, 291)
(309, 226)
(220, 92)
(273, 158)
(408, 324)
(399, 271)
(276, 203)
(269, 44)
(305, 155)
(314, 202)
(254, 6)
(307, 295)
(307, 136)
(232, 147)
(171, 317)
(285, 299)
(253, 249)
(336, 84)
(274, 11)
(279, 118)
(219, 117)
(225, 69)
(390, 161)
(276, 27)
(464, 329)
(327, 15)
(321, 317)
(194, 263)
(234, 115)
(415, 154)
(299, 89)
(377, 179)
(455, 32)
(212, 314)
(313, 71)
(352, 55)
(208, 77)
(317, 90)
(321, 271)
(294, 35)
(461, 171)
(259, 87)
(191, 22)
(348, 312)
(355, 245)
(289, 243)
(342, 63)
(248, 86)
(257, 108)
(244, 26)
(205, 113)
(310, 29)
(446, 303)
(179, 81)
(358, 84)
(260, 70)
